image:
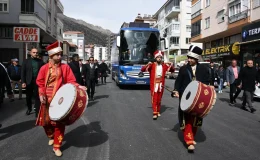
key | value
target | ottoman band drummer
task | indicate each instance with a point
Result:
(50, 78)
(157, 72)
(188, 73)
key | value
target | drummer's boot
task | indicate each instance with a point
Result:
(51, 141)
(57, 152)
(155, 117)
(191, 148)
(194, 142)
(159, 115)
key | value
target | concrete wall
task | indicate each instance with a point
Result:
(8, 43)
(14, 12)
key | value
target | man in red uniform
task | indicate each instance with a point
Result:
(50, 78)
(157, 72)
(190, 72)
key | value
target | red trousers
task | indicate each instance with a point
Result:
(156, 102)
(189, 131)
(55, 132)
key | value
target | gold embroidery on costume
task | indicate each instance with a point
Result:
(206, 92)
(201, 105)
(80, 103)
(60, 138)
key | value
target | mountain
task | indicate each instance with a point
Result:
(93, 34)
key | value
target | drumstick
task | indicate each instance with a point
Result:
(172, 92)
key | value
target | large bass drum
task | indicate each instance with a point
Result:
(68, 104)
(198, 99)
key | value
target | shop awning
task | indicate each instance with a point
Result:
(256, 40)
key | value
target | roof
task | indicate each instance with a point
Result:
(140, 29)
(161, 8)
(70, 44)
(73, 32)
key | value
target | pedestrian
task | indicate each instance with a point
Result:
(5, 83)
(14, 71)
(75, 67)
(103, 69)
(249, 78)
(212, 73)
(221, 78)
(157, 72)
(187, 73)
(97, 64)
(30, 69)
(51, 77)
(90, 73)
(232, 73)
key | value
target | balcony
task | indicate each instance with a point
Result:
(60, 7)
(174, 46)
(32, 18)
(173, 12)
(237, 17)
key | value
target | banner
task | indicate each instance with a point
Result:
(26, 34)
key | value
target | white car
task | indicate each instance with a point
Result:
(257, 91)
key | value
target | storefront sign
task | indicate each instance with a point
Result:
(26, 34)
(231, 49)
(251, 32)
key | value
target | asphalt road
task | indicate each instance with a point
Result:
(118, 125)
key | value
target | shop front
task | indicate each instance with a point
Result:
(250, 45)
(222, 54)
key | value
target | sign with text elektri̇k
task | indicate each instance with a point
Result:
(26, 34)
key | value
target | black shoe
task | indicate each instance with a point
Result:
(235, 101)
(0, 125)
(244, 108)
(232, 103)
(28, 112)
(252, 110)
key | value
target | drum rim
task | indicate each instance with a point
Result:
(72, 104)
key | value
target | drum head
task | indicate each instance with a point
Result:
(62, 101)
(189, 95)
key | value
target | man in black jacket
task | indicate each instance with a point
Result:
(74, 65)
(248, 76)
(90, 71)
(14, 71)
(30, 69)
(192, 71)
(5, 82)
(103, 68)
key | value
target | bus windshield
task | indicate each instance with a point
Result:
(138, 46)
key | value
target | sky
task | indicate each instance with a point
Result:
(110, 14)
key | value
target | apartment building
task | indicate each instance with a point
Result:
(174, 23)
(100, 53)
(110, 41)
(89, 50)
(219, 25)
(39, 14)
(146, 18)
(76, 38)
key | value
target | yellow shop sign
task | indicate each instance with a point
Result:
(222, 50)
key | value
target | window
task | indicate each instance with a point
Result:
(217, 43)
(188, 28)
(220, 16)
(27, 6)
(207, 3)
(187, 40)
(196, 28)
(49, 20)
(174, 40)
(207, 45)
(255, 3)
(4, 5)
(207, 23)
(235, 9)
(176, 27)
(6, 32)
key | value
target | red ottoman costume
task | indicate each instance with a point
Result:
(157, 80)
(50, 78)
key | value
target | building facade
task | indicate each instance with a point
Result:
(219, 27)
(77, 38)
(174, 24)
(146, 18)
(100, 53)
(28, 13)
(110, 41)
(89, 50)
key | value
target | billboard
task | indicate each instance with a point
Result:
(26, 34)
